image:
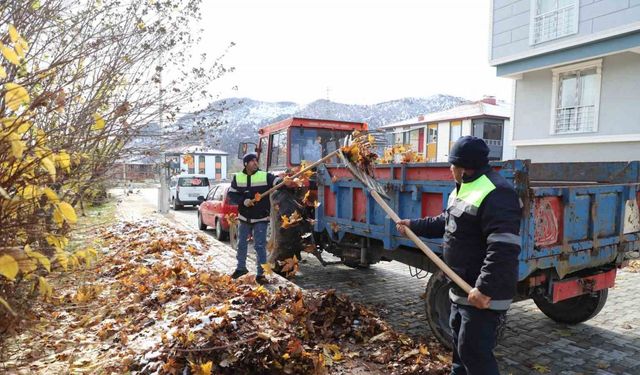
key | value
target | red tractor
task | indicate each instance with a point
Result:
(282, 147)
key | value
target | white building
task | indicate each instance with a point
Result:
(434, 134)
(194, 159)
(575, 66)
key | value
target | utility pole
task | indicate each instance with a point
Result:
(163, 198)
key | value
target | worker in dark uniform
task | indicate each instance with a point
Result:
(481, 243)
(253, 216)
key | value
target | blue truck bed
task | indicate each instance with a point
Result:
(578, 218)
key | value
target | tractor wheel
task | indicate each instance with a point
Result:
(574, 310)
(438, 308)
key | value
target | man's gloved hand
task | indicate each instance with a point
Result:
(248, 202)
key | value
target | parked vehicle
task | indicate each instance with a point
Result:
(213, 210)
(185, 189)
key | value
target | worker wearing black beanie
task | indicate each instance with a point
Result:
(481, 241)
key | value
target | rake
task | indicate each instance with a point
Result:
(363, 139)
(377, 192)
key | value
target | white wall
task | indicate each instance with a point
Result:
(443, 141)
(210, 166)
(508, 151)
(224, 167)
(619, 116)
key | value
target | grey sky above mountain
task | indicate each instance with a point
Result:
(351, 51)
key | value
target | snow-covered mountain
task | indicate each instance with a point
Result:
(225, 123)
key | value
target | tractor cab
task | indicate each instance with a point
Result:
(286, 144)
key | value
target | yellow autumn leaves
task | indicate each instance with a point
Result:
(401, 154)
(20, 46)
(8, 267)
(27, 168)
(98, 122)
(15, 95)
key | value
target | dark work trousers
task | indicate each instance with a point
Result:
(475, 333)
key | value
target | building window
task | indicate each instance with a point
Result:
(188, 160)
(576, 96)
(413, 138)
(218, 165)
(492, 133)
(201, 167)
(455, 132)
(398, 138)
(553, 19)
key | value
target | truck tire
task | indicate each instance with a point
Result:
(438, 308)
(574, 310)
(175, 205)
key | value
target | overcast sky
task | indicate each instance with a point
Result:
(355, 52)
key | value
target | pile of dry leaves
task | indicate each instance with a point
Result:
(153, 305)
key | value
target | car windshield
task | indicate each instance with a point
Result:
(193, 181)
(311, 145)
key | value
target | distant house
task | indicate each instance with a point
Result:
(575, 66)
(434, 134)
(198, 160)
(133, 169)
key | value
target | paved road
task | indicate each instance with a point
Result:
(532, 343)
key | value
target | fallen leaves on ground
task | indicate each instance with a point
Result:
(289, 266)
(540, 368)
(634, 266)
(152, 305)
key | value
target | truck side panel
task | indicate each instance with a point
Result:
(565, 227)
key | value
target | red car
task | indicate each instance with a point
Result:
(212, 211)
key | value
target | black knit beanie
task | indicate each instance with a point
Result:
(248, 157)
(469, 152)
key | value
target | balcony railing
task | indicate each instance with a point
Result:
(575, 119)
(555, 24)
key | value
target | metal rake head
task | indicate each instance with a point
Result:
(368, 181)
(369, 138)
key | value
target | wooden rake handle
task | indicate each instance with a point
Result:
(278, 185)
(425, 249)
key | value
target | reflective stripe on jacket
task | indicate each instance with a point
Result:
(244, 187)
